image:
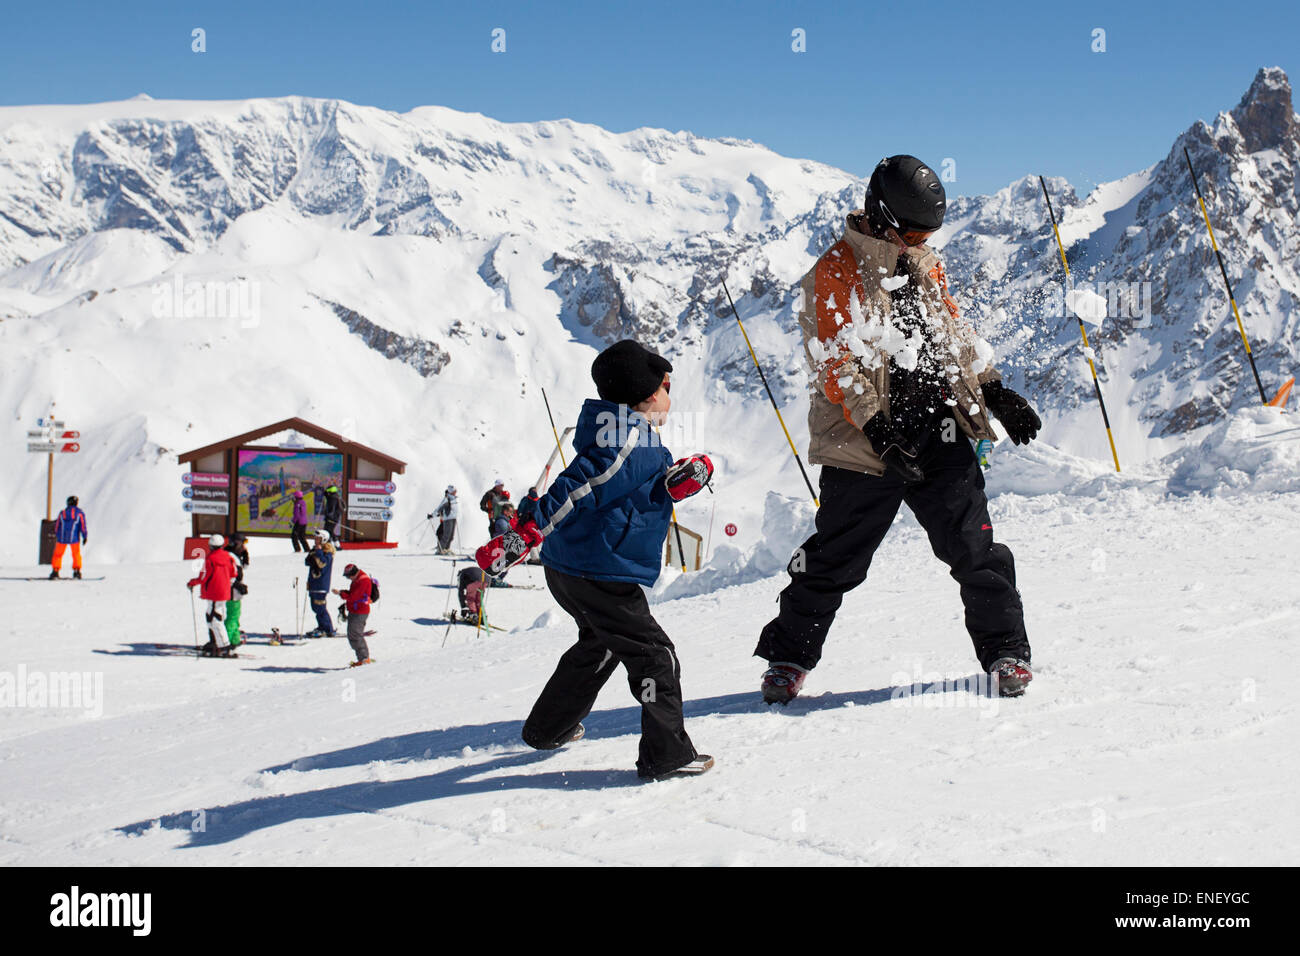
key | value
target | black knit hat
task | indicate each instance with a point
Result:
(628, 373)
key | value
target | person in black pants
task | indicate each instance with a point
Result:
(604, 523)
(901, 387)
(857, 511)
(615, 627)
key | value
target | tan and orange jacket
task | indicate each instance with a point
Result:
(849, 335)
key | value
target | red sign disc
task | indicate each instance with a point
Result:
(730, 529)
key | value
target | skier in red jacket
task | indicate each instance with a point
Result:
(214, 581)
(358, 598)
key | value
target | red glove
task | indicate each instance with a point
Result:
(192, 582)
(505, 551)
(688, 476)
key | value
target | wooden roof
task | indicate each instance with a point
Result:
(333, 439)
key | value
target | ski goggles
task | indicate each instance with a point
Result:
(914, 237)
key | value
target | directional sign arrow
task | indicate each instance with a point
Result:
(69, 447)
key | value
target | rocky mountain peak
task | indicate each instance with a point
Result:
(1265, 115)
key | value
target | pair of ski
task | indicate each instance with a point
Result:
(470, 620)
(192, 651)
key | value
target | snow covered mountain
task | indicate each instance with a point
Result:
(174, 272)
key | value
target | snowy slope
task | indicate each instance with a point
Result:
(1161, 726)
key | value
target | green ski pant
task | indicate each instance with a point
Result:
(232, 621)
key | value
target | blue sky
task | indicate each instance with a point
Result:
(1003, 89)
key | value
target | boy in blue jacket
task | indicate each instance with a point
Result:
(604, 522)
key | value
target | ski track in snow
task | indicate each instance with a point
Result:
(1160, 728)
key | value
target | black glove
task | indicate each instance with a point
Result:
(898, 454)
(1015, 414)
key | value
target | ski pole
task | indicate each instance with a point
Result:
(770, 398)
(296, 620)
(553, 431)
(194, 612)
(1087, 350)
(708, 547)
(446, 608)
(1224, 270)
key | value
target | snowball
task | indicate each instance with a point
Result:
(890, 283)
(974, 408)
(1087, 305)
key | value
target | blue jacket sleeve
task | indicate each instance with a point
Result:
(596, 477)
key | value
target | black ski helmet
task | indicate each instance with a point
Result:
(72, 501)
(905, 194)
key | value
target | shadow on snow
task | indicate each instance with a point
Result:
(227, 823)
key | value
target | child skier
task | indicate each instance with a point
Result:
(238, 548)
(69, 531)
(604, 522)
(320, 566)
(215, 580)
(358, 598)
(890, 428)
(470, 583)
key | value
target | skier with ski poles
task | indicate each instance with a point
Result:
(320, 566)
(446, 513)
(332, 512)
(214, 581)
(902, 387)
(604, 521)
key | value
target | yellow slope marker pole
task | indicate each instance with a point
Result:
(770, 398)
(1224, 269)
(482, 600)
(1087, 349)
(553, 431)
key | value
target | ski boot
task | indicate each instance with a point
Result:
(702, 763)
(76, 573)
(1010, 676)
(577, 733)
(54, 575)
(368, 660)
(782, 683)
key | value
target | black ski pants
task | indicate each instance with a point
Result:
(856, 513)
(614, 627)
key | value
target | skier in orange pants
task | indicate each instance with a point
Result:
(69, 529)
